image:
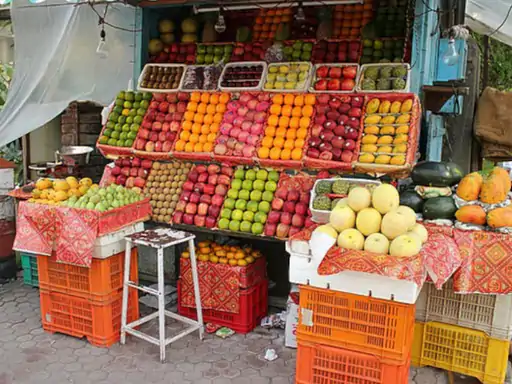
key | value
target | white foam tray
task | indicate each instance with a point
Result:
(153, 90)
(304, 271)
(243, 89)
(360, 78)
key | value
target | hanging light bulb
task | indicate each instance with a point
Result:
(300, 15)
(5, 2)
(220, 25)
(102, 50)
(451, 56)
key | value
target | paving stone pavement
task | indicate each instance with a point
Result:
(30, 355)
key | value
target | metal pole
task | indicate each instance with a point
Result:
(485, 75)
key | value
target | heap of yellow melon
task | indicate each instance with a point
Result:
(53, 192)
(375, 222)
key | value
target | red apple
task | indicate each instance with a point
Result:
(321, 85)
(281, 193)
(146, 164)
(337, 142)
(270, 229)
(298, 220)
(313, 153)
(177, 217)
(289, 207)
(209, 189)
(348, 85)
(334, 85)
(274, 217)
(121, 180)
(294, 230)
(214, 210)
(210, 221)
(217, 200)
(304, 198)
(205, 199)
(349, 145)
(199, 220)
(182, 204)
(221, 190)
(191, 208)
(203, 177)
(115, 171)
(188, 219)
(293, 195)
(277, 204)
(195, 197)
(188, 186)
(282, 230)
(322, 71)
(301, 209)
(349, 72)
(326, 155)
(193, 175)
(202, 209)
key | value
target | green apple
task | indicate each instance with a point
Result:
(247, 185)
(250, 175)
(271, 77)
(267, 196)
(233, 193)
(269, 85)
(273, 69)
(264, 206)
(241, 204)
(273, 176)
(226, 213)
(236, 184)
(290, 85)
(270, 186)
(292, 77)
(248, 216)
(244, 194)
(234, 225)
(237, 214)
(252, 206)
(245, 226)
(224, 223)
(262, 174)
(278, 85)
(257, 228)
(259, 185)
(239, 174)
(256, 195)
(229, 203)
(260, 217)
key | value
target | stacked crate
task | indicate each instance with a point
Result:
(467, 334)
(346, 338)
(29, 265)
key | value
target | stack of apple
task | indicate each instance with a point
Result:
(242, 125)
(130, 172)
(335, 78)
(290, 213)
(203, 195)
(184, 53)
(249, 51)
(336, 52)
(336, 128)
(162, 122)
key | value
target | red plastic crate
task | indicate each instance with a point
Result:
(99, 322)
(320, 364)
(253, 307)
(101, 282)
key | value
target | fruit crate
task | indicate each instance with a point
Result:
(364, 67)
(489, 313)
(191, 68)
(157, 90)
(287, 64)
(460, 350)
(99, 322)
(322, 217)
(29, 265)
(253, 307)
(321, 364)
(380, 327)
(314, 78)
(243, 64)
(100, 282)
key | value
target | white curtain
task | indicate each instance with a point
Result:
(485, 16)
(56, 61)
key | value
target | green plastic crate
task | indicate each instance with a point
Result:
(29, 265)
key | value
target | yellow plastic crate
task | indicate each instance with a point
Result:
(460, 350)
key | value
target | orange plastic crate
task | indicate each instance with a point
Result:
(101, 281)
(99, 322)
(321, 364)
(381, 327)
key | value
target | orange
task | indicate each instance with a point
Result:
(189, 147)
(187, 125)
(195, 96)
(299, 143)
(207, 147)
(198, 147)
(286, 154)
(270, 131)
(278, 142)
(214, 128)
(220, 108)
(294, 122)
(286, 110)
(273, 120)
(260, 20)
(194, 138)
(267, 141)
(281, 132)
(291, 134)
(224, 98)
(205, 98)
(289, 144)
(196, 128)
(203, 139)
(201, 108)
(309, 100)
(180, 145)
(297, 154)
(289, 99)
(211, 137)
(275, 153)
(198, 118)
(302, 133)
(210, 109)
(218, 118)
(278, 99)
(192, 106)
(275, 109)
(263, 153)
(208, 119)
(214, 99)
(297, 112)
(189, 116)
(257, 28)
(184, 135)
(304, 122)
(299, 100)
(307, 111)
(284, 121)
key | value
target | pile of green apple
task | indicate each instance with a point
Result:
(212, 54)
(287, 76)
(248, 200)
(104, 199)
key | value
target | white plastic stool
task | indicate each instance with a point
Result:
(159, 238)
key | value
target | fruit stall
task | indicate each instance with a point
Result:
(292, 126)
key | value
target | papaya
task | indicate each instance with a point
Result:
(470, 186)
(471, 214)
(493, 190)
(503, 175)
(500, 217)
(406, 106)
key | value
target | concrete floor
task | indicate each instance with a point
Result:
(30, 355)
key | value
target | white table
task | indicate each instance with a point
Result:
(159, 238)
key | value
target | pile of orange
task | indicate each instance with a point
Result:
(268, 22)
(201, 122)
(224, 254)
(287, 127)
(349, 19)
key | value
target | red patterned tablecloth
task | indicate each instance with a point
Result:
(219, 284)
(71, 232)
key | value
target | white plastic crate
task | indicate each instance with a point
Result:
(313, 77)
(156, 90)
(304, 271)
(240, 64)
(360, 78)
(489, 313)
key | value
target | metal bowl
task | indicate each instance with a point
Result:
(79, 154)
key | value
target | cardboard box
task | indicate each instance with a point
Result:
(292, 318)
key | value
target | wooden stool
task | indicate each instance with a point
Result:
(159, 238)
